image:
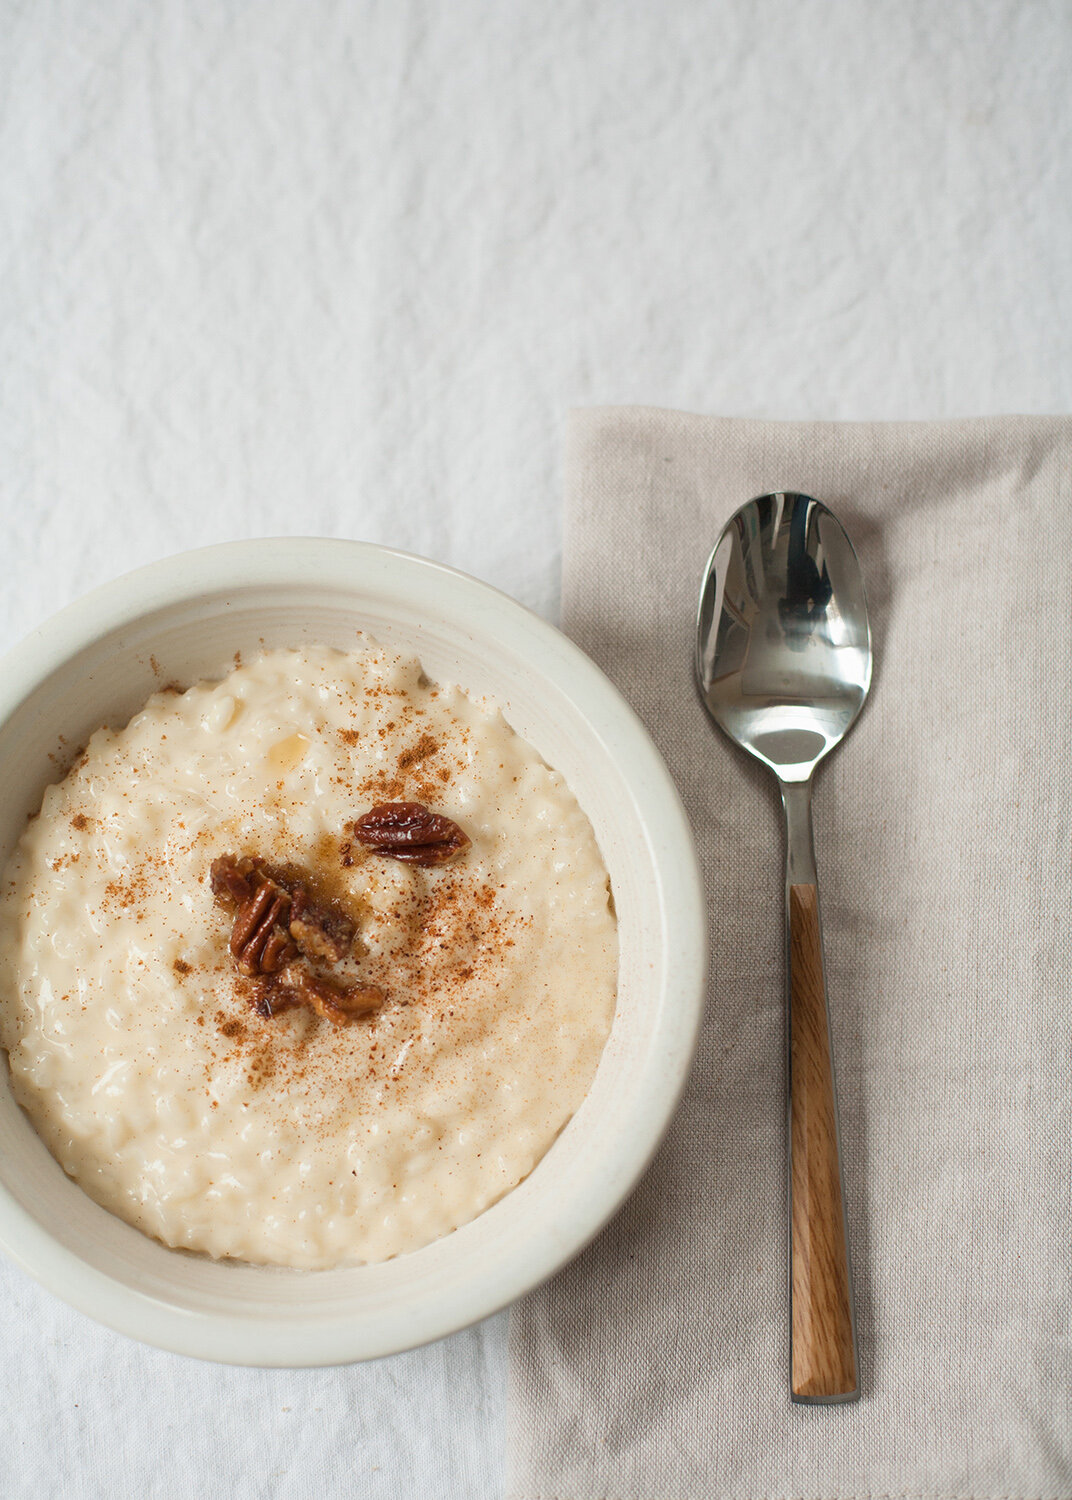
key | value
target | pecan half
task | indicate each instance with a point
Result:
(410, 832)
(339, 1004)
(230, 879)
(260, 938)
(318, 931)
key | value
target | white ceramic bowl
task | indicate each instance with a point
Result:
(183, 619)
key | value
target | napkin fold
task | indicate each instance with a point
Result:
(655, 1366)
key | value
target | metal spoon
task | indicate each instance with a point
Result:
(783, 662)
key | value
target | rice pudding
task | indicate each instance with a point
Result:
(465, 996)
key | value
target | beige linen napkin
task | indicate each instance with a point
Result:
(654, 1368)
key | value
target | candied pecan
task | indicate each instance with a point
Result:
(260, 939)
(339, 1004)
(268, 997)
(318, 931)
(410, 832)
(230, 879)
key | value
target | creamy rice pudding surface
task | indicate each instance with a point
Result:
(143, 1055)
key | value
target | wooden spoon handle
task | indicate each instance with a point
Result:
(823, 1346)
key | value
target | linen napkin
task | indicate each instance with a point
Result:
(655, 1366)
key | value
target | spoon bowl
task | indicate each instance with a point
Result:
(783, 654)
(783, 665)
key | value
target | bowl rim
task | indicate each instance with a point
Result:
(294, 561)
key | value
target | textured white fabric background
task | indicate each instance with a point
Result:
(339, 266)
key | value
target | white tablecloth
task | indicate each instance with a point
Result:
(340, 268)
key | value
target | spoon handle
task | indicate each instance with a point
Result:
(822, 1328)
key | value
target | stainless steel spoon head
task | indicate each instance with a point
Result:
(783, 643)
